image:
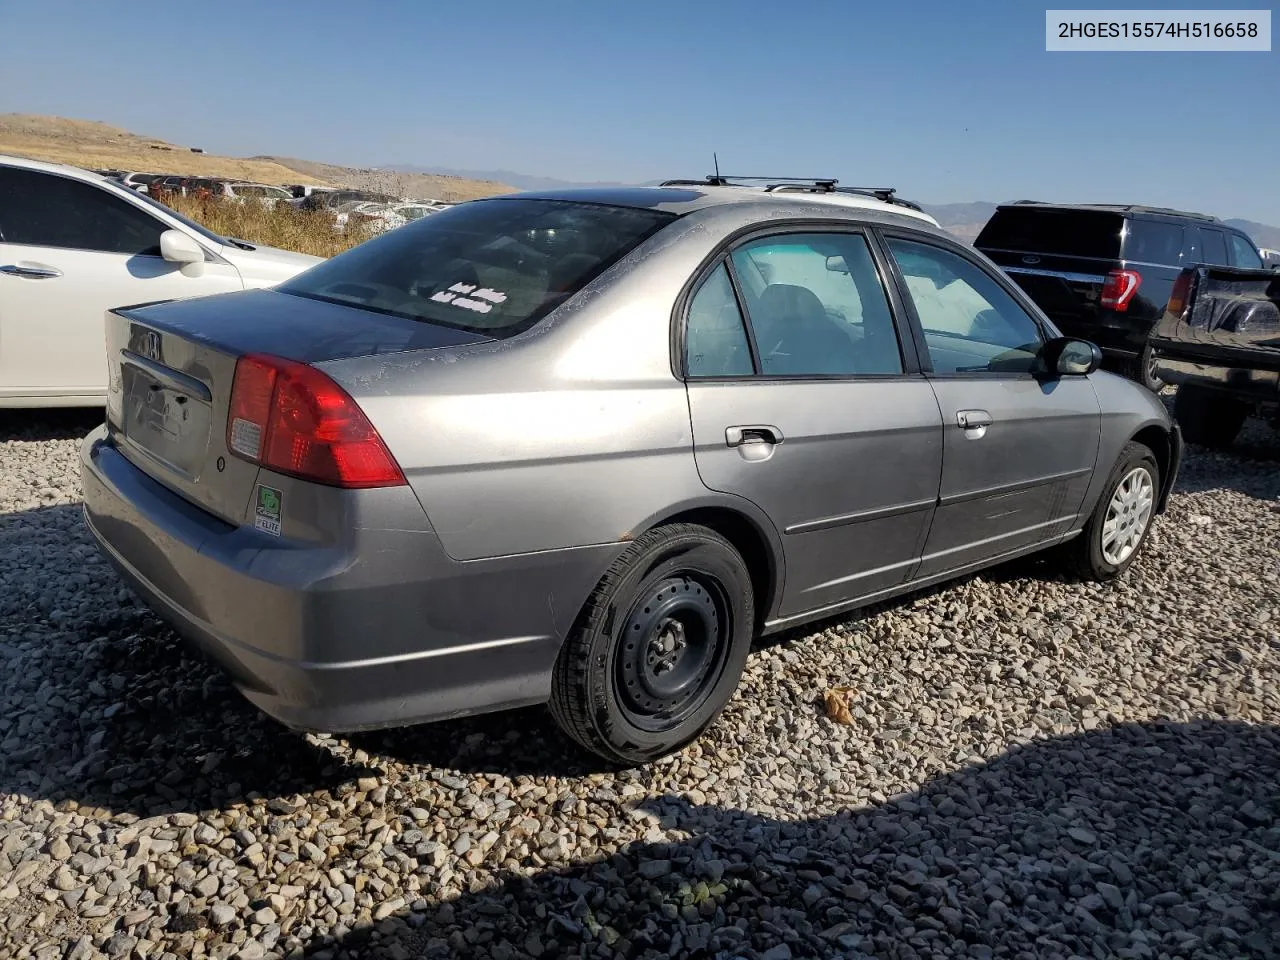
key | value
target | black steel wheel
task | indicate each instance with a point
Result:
(671, 650)
(659, 648)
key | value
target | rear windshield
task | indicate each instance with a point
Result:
(490, 266)
(1069, 233)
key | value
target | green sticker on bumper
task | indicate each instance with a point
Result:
(267, 510)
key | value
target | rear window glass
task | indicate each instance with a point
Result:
(490, 266)
(1153, 241)
(1071, 233)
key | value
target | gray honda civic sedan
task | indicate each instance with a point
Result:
(581, 447)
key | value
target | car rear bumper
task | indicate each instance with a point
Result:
(383, 631)
(1246, 381)
(1115, 334)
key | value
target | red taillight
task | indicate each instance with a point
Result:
(1119, 287)
(1178, 296)
(291, 418)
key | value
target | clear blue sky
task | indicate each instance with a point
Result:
(946, 101)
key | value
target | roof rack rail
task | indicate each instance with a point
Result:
(799, 185)
(1119, 208)
(802, 186)
(708, 182)
(726, 180)
(883, 194)
(1143, 208)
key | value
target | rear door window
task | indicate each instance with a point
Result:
(1243, 253)
(1045, 230)
(1153, 241)
(715, 338)
(1213, 247)
(817, 306)
(47, 210)
(489, 266)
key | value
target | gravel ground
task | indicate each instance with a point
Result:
(1036, 768)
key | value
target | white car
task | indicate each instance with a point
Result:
(73, 245)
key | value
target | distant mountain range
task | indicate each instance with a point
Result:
(964, 220)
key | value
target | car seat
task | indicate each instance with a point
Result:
(795, 335)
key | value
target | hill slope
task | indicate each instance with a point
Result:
(401, 182)
(95, 145)
(88, 143)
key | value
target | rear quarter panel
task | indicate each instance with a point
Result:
(574, 433)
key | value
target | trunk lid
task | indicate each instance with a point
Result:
(1060, 257)
(1067, 289)
(171, 367)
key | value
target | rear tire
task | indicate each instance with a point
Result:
(1143, 370)
(1208, 418)
(1115, 532)
(658, 649)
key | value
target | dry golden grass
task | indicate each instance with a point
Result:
(93, 145)
(298, 230)
(99, 146)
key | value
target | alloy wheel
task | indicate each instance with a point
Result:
(1128, 516)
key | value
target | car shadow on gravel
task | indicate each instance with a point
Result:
(69, 423)
(135, 722)
(1251, 466)
(1157, 839)
(527, 742)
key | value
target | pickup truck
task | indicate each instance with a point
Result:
(1104, 272)
(1219, 341)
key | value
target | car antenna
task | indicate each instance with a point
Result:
(715, 161)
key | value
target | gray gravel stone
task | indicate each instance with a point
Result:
(1037, 768)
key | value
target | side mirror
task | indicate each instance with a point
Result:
(1068, 357)
(177, 247)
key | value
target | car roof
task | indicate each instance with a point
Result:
(64, 168)
(1119, 208)
(686, 198)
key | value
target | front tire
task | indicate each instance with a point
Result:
(659, 648)
(1118, 527)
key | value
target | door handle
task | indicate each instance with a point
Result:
(755, 433)
(30, 271)
(974, 423)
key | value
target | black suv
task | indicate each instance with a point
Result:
(1104, 273)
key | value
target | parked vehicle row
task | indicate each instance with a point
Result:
(580, 447)
(237, 190)
(379, 211)
(74, 244)
(1105, 273)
